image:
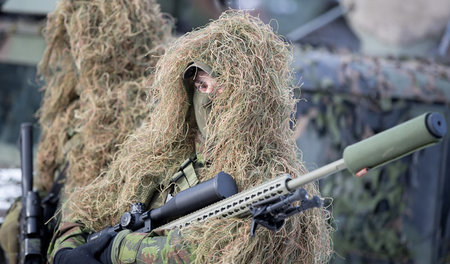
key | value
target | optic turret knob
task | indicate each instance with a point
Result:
(137, 208)
(127, 220)
(131, 218)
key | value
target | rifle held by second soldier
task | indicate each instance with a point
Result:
(31, 215)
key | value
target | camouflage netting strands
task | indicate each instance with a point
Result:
(97, 68)
(248, 136)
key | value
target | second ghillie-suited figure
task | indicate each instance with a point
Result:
(96, 70)
(225, 96)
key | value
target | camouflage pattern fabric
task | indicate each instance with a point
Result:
(9, 232)
(69, 235)
(165, 247)
(149, 248)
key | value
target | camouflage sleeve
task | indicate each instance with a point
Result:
(150, 248)
(9, 232)
(68, 235)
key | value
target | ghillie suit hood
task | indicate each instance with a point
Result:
(248, 136)
(97, 68)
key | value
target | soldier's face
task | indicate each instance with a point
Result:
(204, 86)
(204, 83)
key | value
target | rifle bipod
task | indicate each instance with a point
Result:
(272, 213)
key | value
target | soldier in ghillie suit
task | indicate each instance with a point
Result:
(97, 68)
(236, 120)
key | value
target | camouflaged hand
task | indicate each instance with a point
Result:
(93, 252)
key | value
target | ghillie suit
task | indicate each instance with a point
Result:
(248, 135)
(97, 68)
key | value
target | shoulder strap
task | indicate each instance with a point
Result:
(186, 176)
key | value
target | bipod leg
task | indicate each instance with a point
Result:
(272, 215)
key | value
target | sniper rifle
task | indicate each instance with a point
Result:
(271, 203)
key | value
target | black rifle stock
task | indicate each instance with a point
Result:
(270, 203)
(30, 216)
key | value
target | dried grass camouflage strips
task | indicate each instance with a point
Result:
(97, 69)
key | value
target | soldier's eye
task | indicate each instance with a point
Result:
(201, 86)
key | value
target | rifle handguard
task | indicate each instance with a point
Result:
(394, 143)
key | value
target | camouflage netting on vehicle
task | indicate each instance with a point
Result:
(249, 137)
(373, 77)
(349, 97)
(368, 211)
(97, 68)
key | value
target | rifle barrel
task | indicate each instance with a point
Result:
(317, 174)
(26, 145)
(394, 143)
